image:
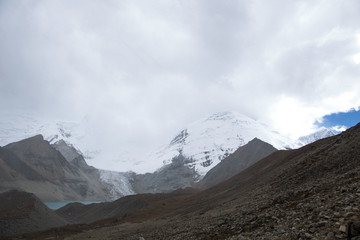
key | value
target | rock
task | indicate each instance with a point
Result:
(321, 224)
(308, 235)
(330, 236)
(349, 214)
(342, 228)
(353, 229)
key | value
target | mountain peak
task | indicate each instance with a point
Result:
(319, 134)
(36, 138)
(209, 140)
(227, 116)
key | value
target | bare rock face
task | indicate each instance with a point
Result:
(178, 174)
(33, 165)
(22, 212)
(40, 156)
(68, 151)
(169, 178)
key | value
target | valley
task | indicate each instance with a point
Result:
(183, 162)
(179, 120)
(308, 193)
(256, 191)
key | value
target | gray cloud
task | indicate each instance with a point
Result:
(148, 68)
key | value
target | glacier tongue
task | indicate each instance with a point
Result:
(119, 183)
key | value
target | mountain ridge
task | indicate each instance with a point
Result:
(34, 165)
(309, 193)
(205, 153)
(236, 162)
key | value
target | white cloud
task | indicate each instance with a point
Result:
(146, 69)
(339, 128)
(356, 58)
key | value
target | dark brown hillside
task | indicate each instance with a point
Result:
(242, 158)
(133, 208)
(23, 212)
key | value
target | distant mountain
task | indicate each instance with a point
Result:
(206, 141)
(16, 127)
(319, 134)
(168, 178)
(209, 140)
(35, 166)
(204, 144)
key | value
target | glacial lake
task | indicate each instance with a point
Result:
(57, 205)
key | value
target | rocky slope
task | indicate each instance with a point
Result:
(33, 165)
(170, 177)
(308, 193)
(238, 161)
(116, 184)
(22, 212)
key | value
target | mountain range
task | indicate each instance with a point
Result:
(34, 165)
(195, 153)
(206, 141)
(308, 193)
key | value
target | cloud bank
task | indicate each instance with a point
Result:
(143, 70)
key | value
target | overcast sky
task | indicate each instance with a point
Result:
(142, 70)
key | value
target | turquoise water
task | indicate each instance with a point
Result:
(57, 205)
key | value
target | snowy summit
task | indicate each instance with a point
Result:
(209, 140)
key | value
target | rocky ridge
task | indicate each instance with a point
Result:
(242, 158)
(33, 165)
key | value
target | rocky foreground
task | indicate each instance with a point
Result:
(309, 193)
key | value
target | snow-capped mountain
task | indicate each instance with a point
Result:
(319, 134)
(83, 135)
(209, 140)
(205, 142)
(18, 126)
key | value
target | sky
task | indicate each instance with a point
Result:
(139, 71)
(340, 121)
